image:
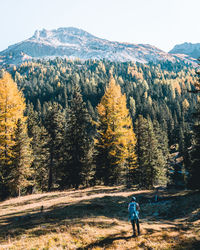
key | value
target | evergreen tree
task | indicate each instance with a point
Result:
(20, 171)
(40, 148)
(194, 170)
(162, 139)
(132, 107)
(55, 126)
(184, 146)
(152, 167)
(78, 146)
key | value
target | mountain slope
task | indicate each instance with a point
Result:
(190, 49)
(76, 43)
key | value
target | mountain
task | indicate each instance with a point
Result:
(76, 43)
(188, 49)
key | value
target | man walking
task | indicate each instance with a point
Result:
(133, 209)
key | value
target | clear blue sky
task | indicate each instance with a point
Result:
(162, 23)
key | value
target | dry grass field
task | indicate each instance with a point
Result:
(97, 218)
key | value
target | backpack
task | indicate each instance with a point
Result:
(133, 213)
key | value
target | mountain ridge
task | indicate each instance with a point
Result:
(190, 49)
(74, 43)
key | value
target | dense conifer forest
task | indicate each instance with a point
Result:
(98, 122)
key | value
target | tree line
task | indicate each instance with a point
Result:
(95, 122)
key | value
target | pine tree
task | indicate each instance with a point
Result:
(194, 169)
(162, 139)
(115, 142)
(184, 145)
(41, 158)
(20, 171)
(12, 108)
(152, 167)
(54, 124)
(132, 107)
(39, 145)
(78, 146)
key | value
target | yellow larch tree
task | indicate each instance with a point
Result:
(115, 142)
(12, 106)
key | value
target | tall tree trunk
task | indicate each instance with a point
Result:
(50, 178)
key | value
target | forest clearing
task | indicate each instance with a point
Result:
(97, 218)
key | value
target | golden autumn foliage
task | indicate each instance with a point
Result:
(134, 72)
(12, 108)
(185, 104)
(15, 151)
(115, 129)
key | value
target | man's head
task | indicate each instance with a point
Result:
(133, 199)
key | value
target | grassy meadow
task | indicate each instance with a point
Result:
(97, 218)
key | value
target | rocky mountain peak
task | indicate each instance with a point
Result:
(190, 49)
(74, 43)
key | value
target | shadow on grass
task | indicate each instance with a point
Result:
(187, 244)
(33, 200)
(184, 205)
(65, 214)
(73, 192)
(105, 242)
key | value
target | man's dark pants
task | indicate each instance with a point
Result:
(133, 222)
